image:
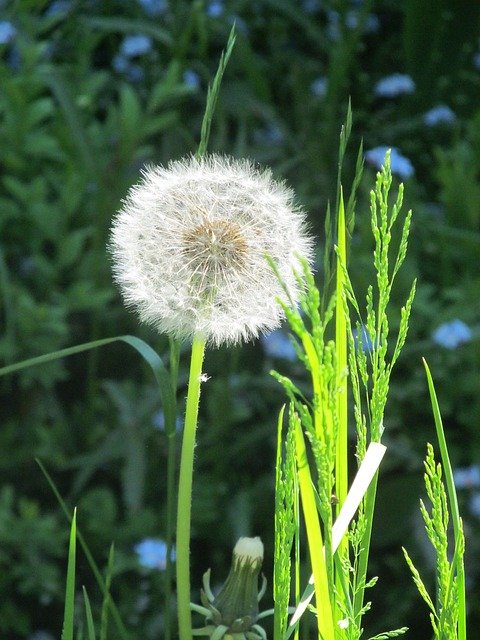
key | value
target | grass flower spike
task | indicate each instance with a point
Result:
(189, 248)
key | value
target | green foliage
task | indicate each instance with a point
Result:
(76, 129)
(445, 607)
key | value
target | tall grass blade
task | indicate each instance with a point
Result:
(121, 629)
(106, 594)
(453, 504)
(88, 615)
(326, 629)
(212, 96)
(68, 616)
(148, 354)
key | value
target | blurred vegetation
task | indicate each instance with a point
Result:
(83, 107)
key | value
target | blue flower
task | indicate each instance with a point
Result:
(57, 7)
(159, 421)
(277, 345)
(399, 164)
(474, 504)
(451, 335)
(7, 32)
(319, 87)
(154, 8)
(270, 134)
(467, 477)
(191, 78)
(371, 24)
(476, 60)
(439, 115)
(311, 6)
(136, 45)
(215, 9)
(152, 553)
(365, 340)
(123, 65)
(394, 85)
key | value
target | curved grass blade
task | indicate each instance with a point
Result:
(88, 615)
(452, 499)
(67, 632)
(122, 631)
(150, 356)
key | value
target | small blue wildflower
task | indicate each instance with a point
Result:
(133, 72)
(439, 115)
(319, 87)
(311, 6)
(476, 60)
(277, 345)
(7, 32)
(365, 340)
(474, 504)
(41, 635)
(120, 63)
(215, 9)
(371, 24)
(400, 165)
(451, 335)
(159, 421)
(152, 553)
(394, 85)
(154, 8)
(333, 25)
(57, 7)
(135, 45)
(467, 477)
(191, 78)
(270, 134)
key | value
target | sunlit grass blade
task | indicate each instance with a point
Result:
(363, 478)
(121, 629)
(212, 95)
(453, 504)
(68, 616)
(326, 629)
(341, 465)
(88, 615)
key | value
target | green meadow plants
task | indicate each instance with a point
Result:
(211, 252)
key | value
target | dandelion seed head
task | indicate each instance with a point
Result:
(190, 245)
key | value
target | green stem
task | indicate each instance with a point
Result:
(185, 490)
(171, 473)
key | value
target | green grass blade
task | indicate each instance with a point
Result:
(88, 615)
(453, 503)
(341, 466)
(122, 631)
(148, 354)
(326, 629)
(106, 595)
(212, 96)
(68, 616)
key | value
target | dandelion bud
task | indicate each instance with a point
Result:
(190, 244)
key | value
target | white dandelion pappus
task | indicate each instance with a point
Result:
(190, 244)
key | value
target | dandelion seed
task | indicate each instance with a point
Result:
(190, 247)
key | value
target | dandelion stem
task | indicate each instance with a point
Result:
(185, 490)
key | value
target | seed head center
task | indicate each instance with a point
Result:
(214, 249)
